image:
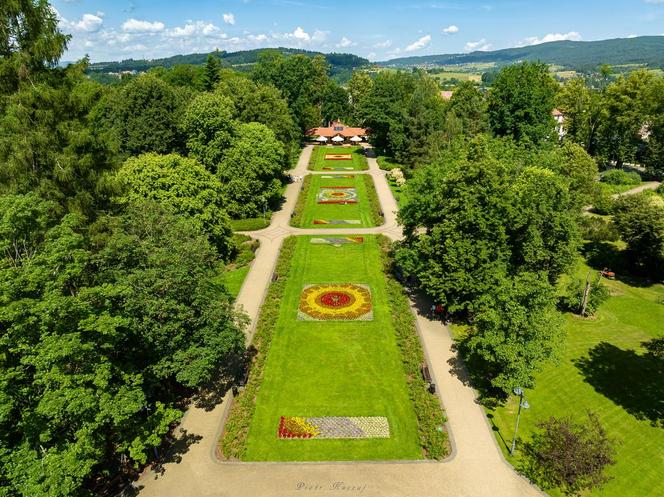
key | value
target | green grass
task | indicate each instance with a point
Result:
(613, 189)
(234, 279)
(397, 191)
(252, 224)
(236, 271)
(333, 368)
(308, 209)
(318, 162)
(603, 369)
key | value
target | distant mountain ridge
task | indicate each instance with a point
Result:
(241, 60)
(575, 55)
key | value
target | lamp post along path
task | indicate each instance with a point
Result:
(522, 404)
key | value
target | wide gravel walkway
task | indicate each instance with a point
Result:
(475, 469)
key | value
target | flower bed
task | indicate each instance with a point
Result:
(337, 221)
(337, 241)
(333, 427)
(338, 157)
(337, 302)
(337, 195)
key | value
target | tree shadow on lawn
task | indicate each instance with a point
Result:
(601, 255)
(633, 381)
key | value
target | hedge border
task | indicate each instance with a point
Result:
(233, 443)
(298, 211)
(430, 417)
(377, 216)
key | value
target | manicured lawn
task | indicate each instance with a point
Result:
(613, 189)
(235, 278)
(603, 369)
(360, 211)
(358, 161)
(397, 191)
(334, 368)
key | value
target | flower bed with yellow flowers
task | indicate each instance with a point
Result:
(335, 302)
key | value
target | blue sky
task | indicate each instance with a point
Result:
(379, 30)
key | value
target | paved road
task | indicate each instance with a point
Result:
(476, 468)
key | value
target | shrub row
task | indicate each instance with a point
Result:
(233, 444)
(301, 201)
(377, 216)
(430, 417)
(251, 224)
(620, 177)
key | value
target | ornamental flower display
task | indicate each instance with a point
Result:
(338, 157)
(331, 427)
(335, 302)
(337, 195)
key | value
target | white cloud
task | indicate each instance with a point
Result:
(299, 37)
(479, 45)
(88, 23)
(229, 18)
(136, 26)
(134, 48)
(257, 38)
(450, 30)
(383, 44)
(419, 44)
(345, 43)
(194, 28)
(632, 36)
(534, 40)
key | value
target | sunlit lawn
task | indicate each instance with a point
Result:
(325, 368)
(358, 160)
(603, 369)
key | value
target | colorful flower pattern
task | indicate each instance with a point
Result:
(331, 427)
(337, 195)
(335, 302)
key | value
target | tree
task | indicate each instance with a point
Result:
(360, 86)
(211, 72)
(571, 456)
(469, 105)
(208, 128)
(141, 116)
(335, 103)
(184, 185)
(515, 331)
(47, 144)
(30, 43)
(251, 171)
(521, 100)
(583, 111)
(640, 221)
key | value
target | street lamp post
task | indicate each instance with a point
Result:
(522, 403)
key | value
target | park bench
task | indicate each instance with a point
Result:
(427, 377)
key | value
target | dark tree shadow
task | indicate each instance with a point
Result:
(633, 381)
(496, 429)
(601, 255)
(176, 450)
(369, 152)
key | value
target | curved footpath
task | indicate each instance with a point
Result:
(475, 469)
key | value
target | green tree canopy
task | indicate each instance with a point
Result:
(208, 127)
(251, 171)
(182, 184)
(520, 103)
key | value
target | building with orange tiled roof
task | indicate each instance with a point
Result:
(337, 128)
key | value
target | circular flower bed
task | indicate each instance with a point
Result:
(340, 302)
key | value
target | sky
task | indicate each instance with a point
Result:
(377, 29)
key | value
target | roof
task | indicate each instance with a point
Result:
(337, 129)
(446, 95)
(556, 112)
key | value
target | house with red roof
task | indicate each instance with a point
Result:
(338, 132)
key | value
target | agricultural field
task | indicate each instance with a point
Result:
(334, 386)
(339, 159)
(604, 369)
(337, 201)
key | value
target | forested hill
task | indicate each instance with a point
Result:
(575, 55)
(340, 63)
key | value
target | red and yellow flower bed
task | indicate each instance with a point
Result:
(335, 302)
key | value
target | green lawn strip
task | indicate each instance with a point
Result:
(333, 368)
(427, 408)
(318, 162)
(397, 191)
(252, 224)
(312, 210)
(630, 382)
(296, 219)
(234, 272)
(377, 216)
(233, 442)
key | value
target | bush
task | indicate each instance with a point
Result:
(573, 298)
(620, 177)
(604, 204)
(427, 408)
(597, 229)
(234, 440)
(377, 216)
(569, 455)
(296, 220)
